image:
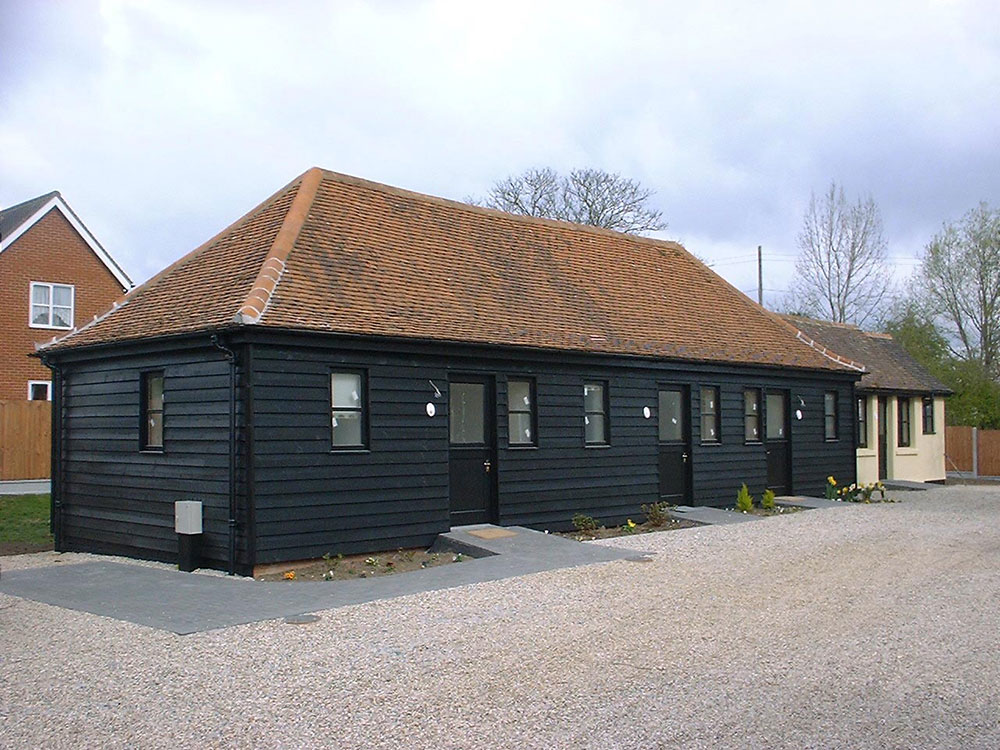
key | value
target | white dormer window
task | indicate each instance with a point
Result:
(51, 305)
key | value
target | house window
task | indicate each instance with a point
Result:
(862, 422)
(595, 417)
(51, 305)
(348, 428)
(151, 425)
(521, 413)
(751, 415)
(39, 390)
(928, 414)
(830, 415)
(710, 415)
(903, 421)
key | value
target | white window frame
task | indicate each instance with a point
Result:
(51, 287)
(48, 389)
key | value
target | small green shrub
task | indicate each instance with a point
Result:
(767, 500)
(656, 513)
(744, 500)
(585, 523)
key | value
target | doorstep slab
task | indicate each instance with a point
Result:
(803, 501)
(25, 487)
(186, 603)
(709, 516)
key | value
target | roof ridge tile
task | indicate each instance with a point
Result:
(273, 267)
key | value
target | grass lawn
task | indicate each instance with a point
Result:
(24, 524)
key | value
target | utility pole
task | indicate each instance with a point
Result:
(760, 277)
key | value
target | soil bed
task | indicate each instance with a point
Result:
(346, 567)
(604, 532)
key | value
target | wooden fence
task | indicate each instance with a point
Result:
(970, 450)
(25, 439)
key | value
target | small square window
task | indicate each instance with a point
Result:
(521, 415)
(348, 427)
(595, 417)
(39, 390)
(151, 422)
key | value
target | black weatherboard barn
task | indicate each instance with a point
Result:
(352, 367)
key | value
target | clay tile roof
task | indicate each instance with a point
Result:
(888, 366)
(334, 253)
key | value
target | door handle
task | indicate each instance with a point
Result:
(685, 457)
(487, 465)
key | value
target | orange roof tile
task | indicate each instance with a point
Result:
(339, 254)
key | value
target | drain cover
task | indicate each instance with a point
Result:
(301, 619)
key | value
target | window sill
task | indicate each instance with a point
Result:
(152, 451)
(905, 450)
(522, 447)
(710, 444)
(598, 446)
(50, 328)
(359, 449)
(866, 452)
(831, 440)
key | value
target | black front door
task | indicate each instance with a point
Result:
(472, 450)
(883, 442)
(776, 442)
(675, 446)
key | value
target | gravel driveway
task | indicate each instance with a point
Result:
(861, 626)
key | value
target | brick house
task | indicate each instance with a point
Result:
(54, 276)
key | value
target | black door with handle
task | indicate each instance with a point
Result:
(776, 442)
(675, 445)
(472, 450)
(883, 441)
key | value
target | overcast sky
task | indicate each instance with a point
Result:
(162, 122)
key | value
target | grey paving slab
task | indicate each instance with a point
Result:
(802, 501)
(25, 486)
(188, 602)
(906, 485)
(709, 516)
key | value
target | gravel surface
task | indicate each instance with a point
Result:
(862, 626)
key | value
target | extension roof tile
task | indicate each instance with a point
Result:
(888, 365)
(333, 253)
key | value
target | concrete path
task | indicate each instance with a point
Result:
(186, 603)
(802, 501)
(709, 516)
(25, 486)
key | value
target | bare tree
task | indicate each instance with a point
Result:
(960, 279)
(841, 272)
(584, 196)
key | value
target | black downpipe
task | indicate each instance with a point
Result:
(55, 460)
(231, 356)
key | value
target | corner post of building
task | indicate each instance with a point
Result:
(56, 459)
(230, 355)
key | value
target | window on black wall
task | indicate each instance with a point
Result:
(751, 415)
(151, 420)
(595, 418)
(521, 413)
(348, 418)
(830, 415)
(710, 415)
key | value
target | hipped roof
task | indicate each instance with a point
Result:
(888, 366)
(337, 254)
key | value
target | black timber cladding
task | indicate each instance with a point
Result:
(299, 499)
(116, 498)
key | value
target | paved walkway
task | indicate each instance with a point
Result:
(708, 515)
(186, 603)
(24, 486)
(801, 501)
